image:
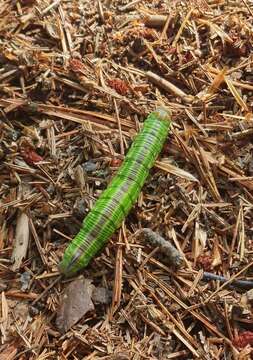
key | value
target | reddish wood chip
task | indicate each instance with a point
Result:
(243, 339)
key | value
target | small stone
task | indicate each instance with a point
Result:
(101, 295)
(89, 166)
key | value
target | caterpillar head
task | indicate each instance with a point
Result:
(71, 262)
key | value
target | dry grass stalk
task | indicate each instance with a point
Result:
(236, 95)
(117, 281)
(179, 33)
(168, 86)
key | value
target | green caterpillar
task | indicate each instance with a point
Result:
(116, 201)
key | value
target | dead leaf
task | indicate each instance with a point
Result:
(75, 303)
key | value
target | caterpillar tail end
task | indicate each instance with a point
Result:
(163, 113)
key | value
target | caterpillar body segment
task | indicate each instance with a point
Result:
(117, 200)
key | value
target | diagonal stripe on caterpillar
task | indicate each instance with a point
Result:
(117, 200)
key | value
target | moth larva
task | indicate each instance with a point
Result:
(116, 201)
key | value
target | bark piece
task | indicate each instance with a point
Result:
(171, 255)
(75, 303)
(21, 240)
